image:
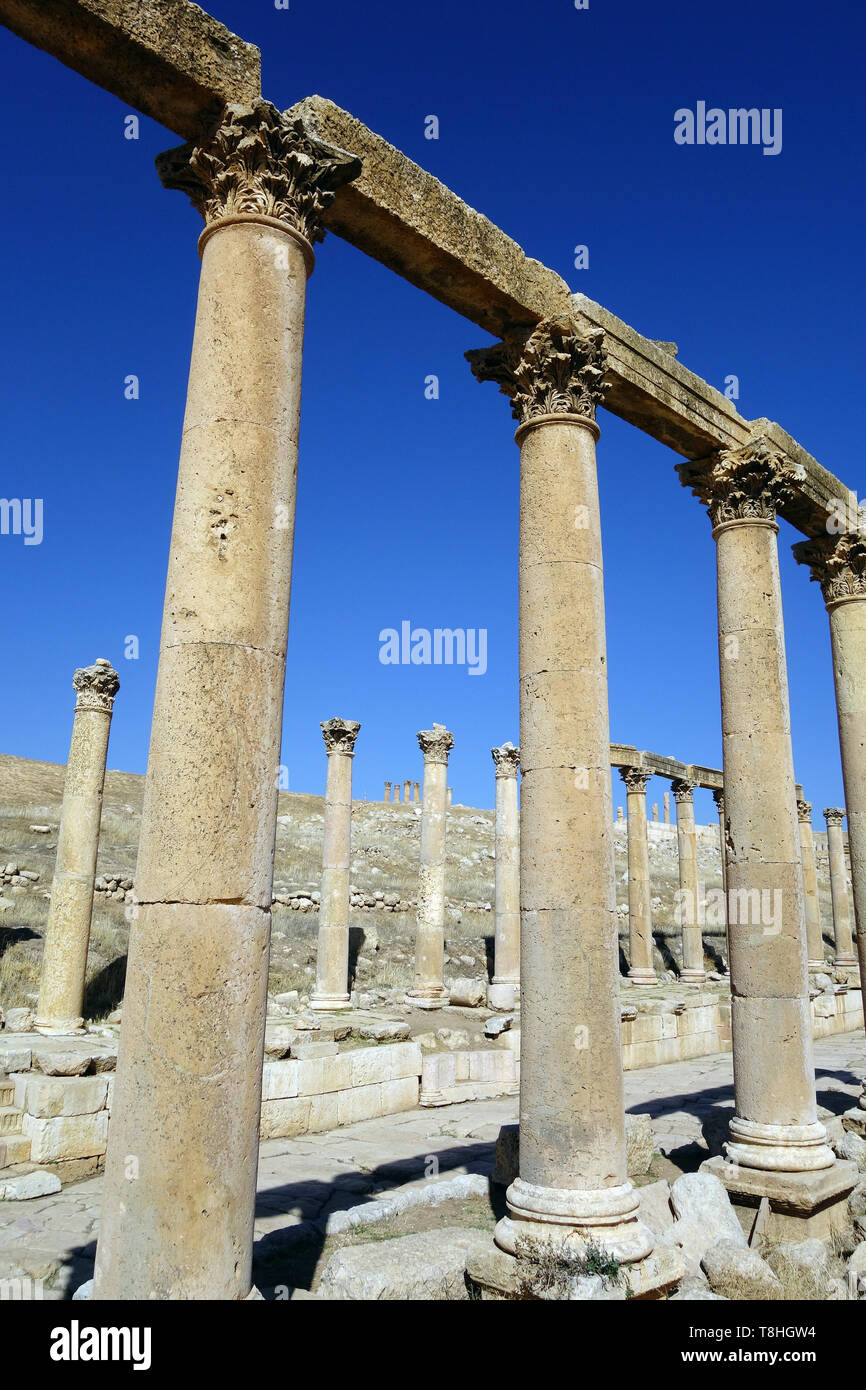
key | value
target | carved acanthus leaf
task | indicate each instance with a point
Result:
(745, 484)
(837, 563)
(340, 735)
(436, 743)
(96, 685)
(507, 760)
(558, 369)
(260, 162)
(635, 778)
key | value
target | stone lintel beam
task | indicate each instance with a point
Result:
(623, 755)
(404, 217)
(167, 58)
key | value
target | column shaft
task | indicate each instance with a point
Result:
(814, 938)
(428, 991)
(332, 964)
(693, 971)
(67, 937)
(640, 929)
(506, 969)
(848, 637)
(842, 935)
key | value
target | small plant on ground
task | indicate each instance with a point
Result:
(547, 1270)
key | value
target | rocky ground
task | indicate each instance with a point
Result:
(385, 847)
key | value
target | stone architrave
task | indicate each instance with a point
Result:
(67, 935)
(428, 991)
(693, 971)
(814, 938)
(640, 926)
(573, 1186)
(180, 1183)
(842, 935)
(775, 1132)
(332, 963)
(506, 958)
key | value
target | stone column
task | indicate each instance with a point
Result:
(506, 959)
(180, 1183)
(449, 798)
(640, 926)
(332, 964)
(397, 793)
(67, 935)
(387, 792)
(775, 1135)
(814, 938)
(693, 972)
(667, 805)
(573, 1185)
(838, 563)
(845, 958)
(655, 811)
(428, 991)
(719, 799)
(416, 793)
(407, 791)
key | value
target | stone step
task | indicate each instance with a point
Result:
(10, 1120)
(7, 1092)
(21, 1182)
(14, 1148)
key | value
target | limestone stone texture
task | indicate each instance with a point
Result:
(667, 807)
(67, 937)
(693, 972)
(506, 958)
(719, 799)
(845, 958)
(428, 991)
(387, 791)
(332, 963)
(640, 927)
(838, 563)
(775, 1125)
(407, 786)
(573, 1185)
(814, 938)
(167, 58)
(180, 1178)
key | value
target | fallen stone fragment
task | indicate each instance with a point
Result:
(429, 1265)
(739, 1273)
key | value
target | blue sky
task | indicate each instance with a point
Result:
(558, 124)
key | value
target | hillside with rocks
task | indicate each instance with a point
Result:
(385, 853)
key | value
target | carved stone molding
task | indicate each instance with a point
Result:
(745, 484)
(635, 778)
(436, 743)
(682, 789)
(719, 799)
(259, 162)
(834, 815)
(837, 563)
(555, 370)
(804, 811)
(507, 760)
(96, 685)
(340, 735)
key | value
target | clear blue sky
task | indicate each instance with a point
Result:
(558, 124)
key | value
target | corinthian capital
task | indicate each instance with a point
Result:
(555, 370)
(682, 789)
(507, 760)
(96, 685)
(340, 735)
(804, 812)
(837, 563)
(635, 778)
(259, 162)
(834, 815)
(436, 743)
(745, 484)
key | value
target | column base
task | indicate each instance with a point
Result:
(641, 975)
(502, 994)
(817, 967)
(59, 1028)
(778, 1148)
(434, 997)
(801, 1205)
(495, 1275)
(846, 963)
(692, 977)
(574, 1219)
(329, 1003)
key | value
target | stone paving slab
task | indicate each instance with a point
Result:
(314, 1175)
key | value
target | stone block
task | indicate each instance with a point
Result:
(429, 1265)
(337, 1072)
(324, 1112)
(281, 1119)
(50, 1096)
(66, 1136)
(386, 1063)
(400, 1094)
(279, 1080)
(359, 1103)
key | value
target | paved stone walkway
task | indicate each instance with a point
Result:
(309, 1177)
